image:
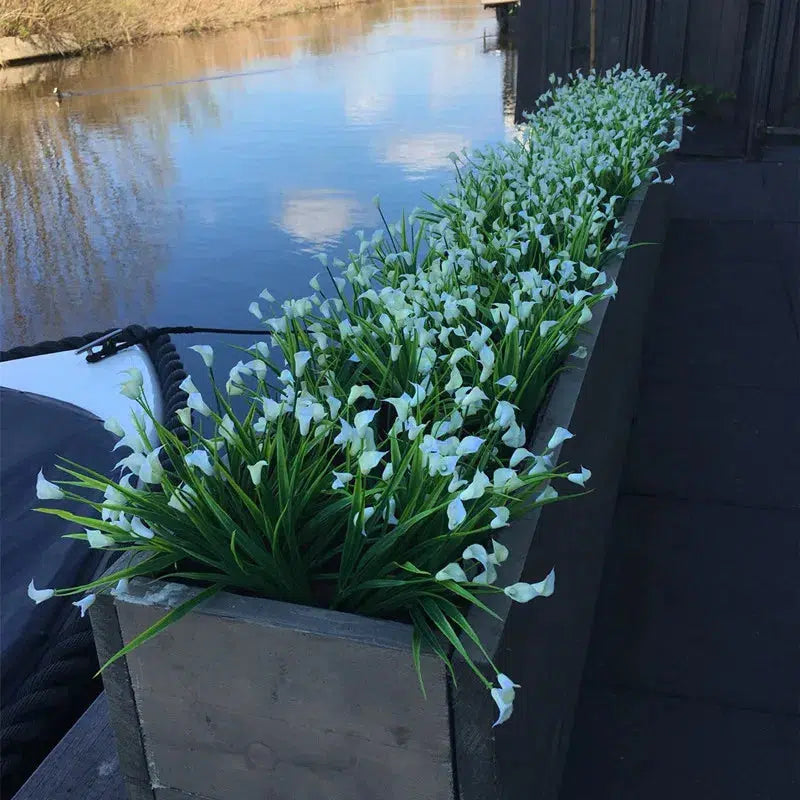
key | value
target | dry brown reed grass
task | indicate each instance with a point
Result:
(100, 23)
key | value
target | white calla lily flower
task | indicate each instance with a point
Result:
(83, 604)
(112, 425)
(39, 595)
(456, 513)
(138, 528)
(358, 392)
(504, 698)
(206, 352)
(477, 552)
(469, 445)
(301, 359)
(452, 572)
(45, 490)
(98, 539)
(581, 477)
(132, 388)
(560, 435)
(200, 459)
(341, 479)
(480, 482)
(501, 515)
(370, 459)
(255, 471)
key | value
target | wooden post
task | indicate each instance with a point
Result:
(593, 35)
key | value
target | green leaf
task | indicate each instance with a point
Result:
(168, 619)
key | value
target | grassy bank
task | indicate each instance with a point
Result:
(102, 23)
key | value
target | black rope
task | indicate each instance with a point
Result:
(48, 703)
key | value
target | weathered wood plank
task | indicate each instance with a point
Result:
(122, 710)
(666, 37)
(83, 765)
(702, 42)
(245, 693)
(763, 70)
(636, 33)
(580, 35)
(613, 20)
(730, 38)
(788, 33)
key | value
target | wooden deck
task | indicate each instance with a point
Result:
(691, 684)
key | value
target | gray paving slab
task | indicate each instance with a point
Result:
(743, 333)
(701, 600)
(737, 190)
(737, 446)
(631, 746)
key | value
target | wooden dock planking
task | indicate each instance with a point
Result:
(83, 765)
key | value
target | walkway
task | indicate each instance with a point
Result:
(692, 684)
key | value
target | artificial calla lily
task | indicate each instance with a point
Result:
(151, 470)
(507, 382)
(514, 436)
(121, 588)
(255, 471)
(206, 352)
(132, 388)
(364, 516)
(452, 572)
(187, 385)
(499, 551)
(469, 445)
(98, 539)
(456, 513)
(456, 380)
(477, 552)
(341, 479)
(46, 490)
(39, 595)
(560, 435)
(504, 698)
(402, 405)
(357, 392)
(548, 494)
(84, 603)
(200, 459)
(370, 459)
(112, 426)
(581, 477)
(301, 359)
(138, 528)
(501, 515)
(518, 456)
(524, 592)
(480, 482)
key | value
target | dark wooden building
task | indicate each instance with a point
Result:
(741, 57)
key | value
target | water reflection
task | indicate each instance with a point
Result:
(320, 216)
(184, 175)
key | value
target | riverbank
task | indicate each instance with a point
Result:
(39, 29)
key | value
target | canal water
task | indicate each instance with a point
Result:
(184, 175)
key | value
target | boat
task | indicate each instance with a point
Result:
(54, 399)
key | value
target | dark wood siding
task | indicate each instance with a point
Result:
(713, 44)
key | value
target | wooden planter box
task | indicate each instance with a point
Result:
(248, 699)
